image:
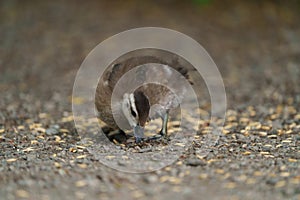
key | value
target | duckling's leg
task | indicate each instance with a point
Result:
(164, 128)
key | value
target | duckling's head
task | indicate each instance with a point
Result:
(136, 107)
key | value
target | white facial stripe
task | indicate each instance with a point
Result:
(126, 110)
(132, 103)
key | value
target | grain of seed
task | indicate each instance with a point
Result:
(203, 176)
(292, 160)
(80, 147)
(257, 173)
(34, 142)
(57, 138)
(28, 149)
(179, 163)
(263, 134)
(174, 180)
(110, 157)
(137, 194)
(280, 184)
(43, 115)
(230, 185)
(73, 150)
(22, 194)
(284, 174)
(250, 181)
(20, 128)
(266, 128)
(62, 130)
(177, 189)
(244, 120)
(272, 136)
(286, 141)
(225, 132)
(242, 178)
(289, 132)
(295, 181)
(57, 165)
(80, 183)
(219, 171)
(10, 160)
(264, 153)
(40, 130)
(82, 166)
(212, 160)
(179, 144)
(231, 118)
(247, 153)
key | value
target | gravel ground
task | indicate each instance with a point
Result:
(256, 46)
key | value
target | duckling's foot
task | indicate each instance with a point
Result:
(138, 140)
(138, 132)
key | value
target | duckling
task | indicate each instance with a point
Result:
(147, 102)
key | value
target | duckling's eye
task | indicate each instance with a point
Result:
(133, 113)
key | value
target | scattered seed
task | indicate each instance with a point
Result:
(34, 126)
(57, 138)
(250, 181)
(179, 144)
(40, 130)
(212, 160)
(67, 119)
(22, 194)
(272, 136)
(62, 130)
(11, 160)
(231, 118)
(284, 174)
(80, 183)
(247, 153)
(203, 176)
(257, 173)
(219, 171)
(137, 194)
(266, 128)
(244, 120)
(57, 165)
(230, 185)
(286, 141)
(225, 132)
(73, 150)
(81, 156)
(296, 180)
(20, 128)
(34, 142)
(263, 134)
(43, 115)
(110, 157)
(292, 160)
(82, 166)
(280, 184)
(28, 149)
(179, 163)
